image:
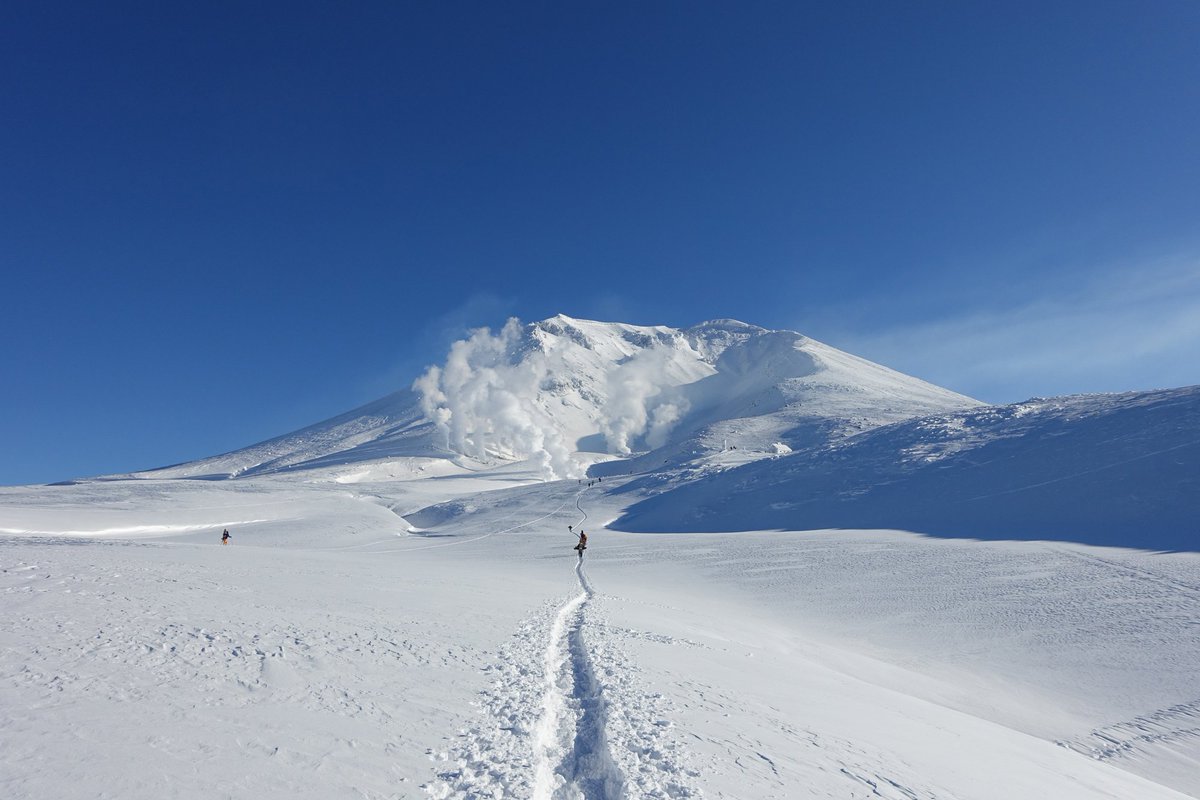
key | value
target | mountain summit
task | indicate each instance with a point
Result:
(560, 387)
(567, 393)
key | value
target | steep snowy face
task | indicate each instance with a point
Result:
(562, 386)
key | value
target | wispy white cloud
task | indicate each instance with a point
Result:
(1122, 329)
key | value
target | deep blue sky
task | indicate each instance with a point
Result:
(218, 224)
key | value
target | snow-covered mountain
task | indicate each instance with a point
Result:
(1112, 469)
(400, 613)
(568, 393)
(735, 427)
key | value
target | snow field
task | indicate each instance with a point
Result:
(770, 714)
(329, 653)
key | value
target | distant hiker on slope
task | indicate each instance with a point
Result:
(225, 537)
(582, 544)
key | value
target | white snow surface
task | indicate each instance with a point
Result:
(1111, 469)
(439, 638)
(397, 618)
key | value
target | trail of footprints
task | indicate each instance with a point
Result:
(565, 718)
(1179, 724)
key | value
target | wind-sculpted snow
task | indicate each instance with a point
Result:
(1102, 469)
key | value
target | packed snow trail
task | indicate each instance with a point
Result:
(593, 771)
(582, 513)
(553, 711)
(573, 745)
(546, 740)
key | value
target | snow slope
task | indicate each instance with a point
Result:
(335, 650)
(392, 426)
(1120, 469)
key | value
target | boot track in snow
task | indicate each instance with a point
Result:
(573, 745)
(569, 719)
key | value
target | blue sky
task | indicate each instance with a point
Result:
(218, 224)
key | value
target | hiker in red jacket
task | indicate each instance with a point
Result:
(582, 544)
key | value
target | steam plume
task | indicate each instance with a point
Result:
(485, 398)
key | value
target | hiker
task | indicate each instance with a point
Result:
(225, 537)
(582, 543)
